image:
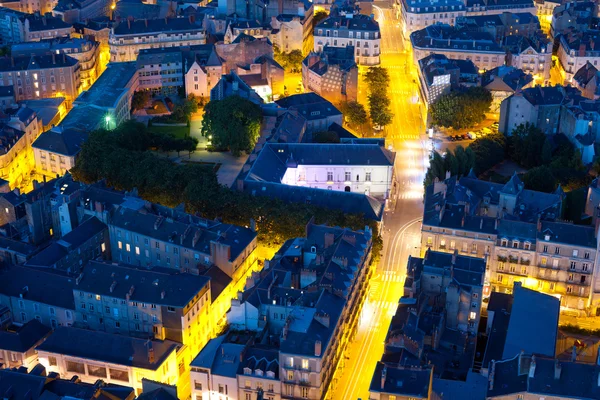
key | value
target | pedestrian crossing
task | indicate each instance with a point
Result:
(392, 276)
(402, 92)
(394, 66)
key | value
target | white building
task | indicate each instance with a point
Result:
(127, 38)
(356, 30)
(533, 55)
(576, 49)
(419, 14)
(116, 359)
(288, 32)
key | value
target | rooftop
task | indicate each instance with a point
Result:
(406, 382)
(443, 36)
(310, 105)
(358, 22)
(66, 142)
(22, 339)
(37, 62)
(106, 347)
(156, 26)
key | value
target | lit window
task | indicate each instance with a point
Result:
(120, 244)
(472, 315)
(127, 247)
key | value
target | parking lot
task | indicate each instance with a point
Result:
(449, 139)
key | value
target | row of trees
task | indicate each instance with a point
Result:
(461, 108)
(378, 82)
(290, 61)
(233, 124)
(458, 162)
(122, 158)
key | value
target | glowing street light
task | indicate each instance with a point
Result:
(107, 120)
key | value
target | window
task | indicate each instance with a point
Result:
(523, 270)
(329, 176)
(584, 267)
(586, 255)
(557, 250)
(569, 289)
(545, 248)
(368, 176)
(464, 247)
(290, 375)
(304, 364)
(347, 176)
(573, 265)
(52, 361)
(544, 261)
(504, 242)
(73, 366)
(120, 245)
(570, 277)
(472, 315)
(575, 253)
(197, 385)
(68, 314)
(500, 278)
(127, 247)
(515, 244)
(304, 392)
(137, 250)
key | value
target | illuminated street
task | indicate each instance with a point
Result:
(402, 222)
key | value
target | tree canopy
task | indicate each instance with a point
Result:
(234, 124)
(458, 162)
(378, 81)
(461, 108)
(290, 61)
(354, 112)
(140, 99)
(488, 151)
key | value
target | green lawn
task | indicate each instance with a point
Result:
(179, 132)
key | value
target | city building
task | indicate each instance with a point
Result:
(34, 294)
(531, 54)
(357, 30)
(388, 383)
(502, 82)
(354, 178)
(545, 11)
(438, 75)
(303, 314)
(107, 103)
(263, 11)
(50, 111)
(160, 70)
(579, 122)
(319, 112)
(11, 25)
(291, 32)
(41, 76)
(569, 15)
(417, 15)
(17, 343)
(7, 96)
(332, 74)
(29, 6)
(203, 69)
(130, 36)
(115, 359)
(527, 376)
(85, 50)
(37, 27)
(234, 85)
(526, 321)
(88, 241)
(74, 11)
(577, 48)
(586, 79)
(539, 106)
(55, 151)
(40, 384)
(458, 44)
(501, 26)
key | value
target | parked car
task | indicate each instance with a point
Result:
(486, 131)
(457, 137)
(465, 137)
(471, 135)
(450, 138)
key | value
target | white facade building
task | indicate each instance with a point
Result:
(576, 49)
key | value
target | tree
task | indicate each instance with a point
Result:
(234, 124)
(540, 179)
(355, 112)
(461, 108)
(380, 110)
(326, 137)
(140, 99)
(547, 151)
(487, 152)
(525, 145)
(291, 61)
(319, 16)
(377, 79)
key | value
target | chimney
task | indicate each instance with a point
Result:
(158, 221)
(146, 22)
(150, 353)
(323, 319)
(481, 224)
(112, 286)
(574, 354)
(491, 374)
(318, 348)
(196, 238)
(557, 369)
(128, 23)
(462, 221)
(79, 278)
(162, 295)
(329, 237)
(582, 50)
(532, 367)
(454, 256)
(539, 223)
(383, 376)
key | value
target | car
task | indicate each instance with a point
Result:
(465, 137)
(450, 138)
(486, 131)
(471, 135)
(457, 137)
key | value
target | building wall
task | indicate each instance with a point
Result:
(167, 372)
(335, 85)
(290, 35)
(127, 47)
(36, 36)
(200, 81)
(534, 63)
(248, 385)
(164, 78)
(24, 310)
(52, 164)
(367, 45)
(484, 60)
(206, 386)
(571, 60)
(373, 180)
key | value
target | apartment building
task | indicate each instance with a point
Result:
(115, 359)
(37, 27)
(73, 11)
(332, 74)
(55, 151)
(576, 15)
(579, 122)
(160, 70)
(458, 44)
(313, 324)
(292, 32)
(85, 50)
(17, 343)
(41, 76)
(530, 247)
(384, 384)
(545, 11)
(203, 69)
(539, 106)
(438, 75)
(417, 14)
(586, 79)
(577, 48)
(501, 26)
(31, 293)
(359, 31)
(16, 161)
(238, 27)
(532, 55)
(128, 37)
(263, 11)
(319, 112)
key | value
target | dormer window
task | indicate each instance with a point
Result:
(313, 249)
(547, 237)
(527, 246)
(504, 242)
(515, 244)
(258, 372)
(247, 371)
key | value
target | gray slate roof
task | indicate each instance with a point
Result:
(24, 337)
(67, 142)
(106, 347)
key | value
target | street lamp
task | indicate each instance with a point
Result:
(107, 120)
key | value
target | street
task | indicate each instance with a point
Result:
(402, 220)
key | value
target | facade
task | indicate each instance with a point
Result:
(42, 76)
(359, 31)
(569, 15)
(384, 384)
(503, 82)
(113, 358)
(457, 44)
(263, 11)
(85, 50)
(160, 70)
(503, 25)
(587, 80)
(576, 49)
(72, 11)
(539, 106)
(438, 75)
(203, 69)
(289, 32)
(545, 11)
(332, 74)
(55, 151)
(532, 55)
(313, 324)
(37, 27)
(128, 37)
